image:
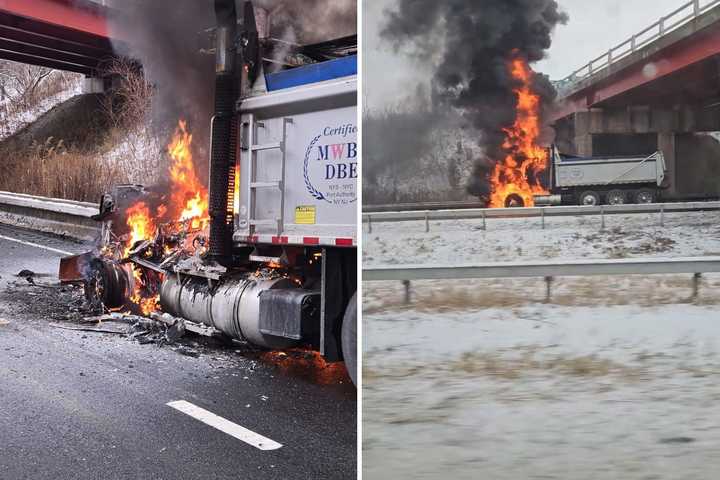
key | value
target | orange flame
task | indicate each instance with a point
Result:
(236, 190)
(308, 364)
(524, 156)
(187, 193)
(140, 223)
(188, 202)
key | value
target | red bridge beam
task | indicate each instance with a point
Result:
(697, 48)
(68, 14)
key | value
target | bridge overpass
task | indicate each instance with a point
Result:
(658, 90)
(71, 35)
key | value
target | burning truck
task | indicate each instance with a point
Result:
(267, 254)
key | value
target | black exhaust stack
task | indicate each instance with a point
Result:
(223, 133)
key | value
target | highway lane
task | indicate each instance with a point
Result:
(88, 405)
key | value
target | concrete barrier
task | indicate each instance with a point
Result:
(51, 215)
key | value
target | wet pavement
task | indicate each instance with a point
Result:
(92, 405)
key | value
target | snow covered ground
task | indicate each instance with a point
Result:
(613, 377)
(517, 239)
(10, 124)
(542, 391)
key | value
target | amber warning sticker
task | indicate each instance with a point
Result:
(305, 214)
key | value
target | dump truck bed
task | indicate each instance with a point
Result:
(578, 171)
(298, 163)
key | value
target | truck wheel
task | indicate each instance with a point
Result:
(349, 338)
(616, 197)
(514, 200)
(644, 195)
(589, 198)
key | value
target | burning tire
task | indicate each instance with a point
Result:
(349, 338)
(514, 200)
(109, 283)
(589, 198)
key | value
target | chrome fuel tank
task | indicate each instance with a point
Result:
(233, 306)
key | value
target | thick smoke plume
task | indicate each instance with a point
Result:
(311, 21)
(471, 43)
(170, 39)
(164, 36)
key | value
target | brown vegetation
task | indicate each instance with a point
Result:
(53, 170)
(66, 153)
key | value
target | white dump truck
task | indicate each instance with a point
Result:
(604, 180)
(292, 137)
(278, 267)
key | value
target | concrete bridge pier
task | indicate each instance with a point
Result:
(688, 136)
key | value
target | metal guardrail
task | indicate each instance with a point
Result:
(572, 268)
(546, 270)
(666, 24)
(406, 207)
(557, 211)
(53, 215)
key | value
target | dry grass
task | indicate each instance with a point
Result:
(54, 170)
(428, 296)
(85, 169)
(503, 366)
(495, 365)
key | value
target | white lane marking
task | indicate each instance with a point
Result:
(226, 426)
(37, 245)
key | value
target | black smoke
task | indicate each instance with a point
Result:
(470, 43)
(310, 21)
(166, 37)
(171, 39)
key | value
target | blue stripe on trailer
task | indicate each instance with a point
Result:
(313, 73)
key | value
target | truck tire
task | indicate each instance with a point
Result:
(645, 195)
(349, 338)
(589, 197)
(616, 197)
(514, 200)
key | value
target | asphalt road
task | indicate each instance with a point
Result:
(89, 405)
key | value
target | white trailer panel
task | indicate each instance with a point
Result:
(609, 171)
(298, 165)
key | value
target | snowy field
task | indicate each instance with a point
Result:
(9, 124)
(613, 377)
(458, 241)
(542, 391)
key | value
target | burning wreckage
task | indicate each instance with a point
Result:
(268, 254)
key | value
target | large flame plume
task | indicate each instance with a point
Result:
(188, 203)
(517, 175)
(140, 222)
(187, 193)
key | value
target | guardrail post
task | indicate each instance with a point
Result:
(406, 284)
(369, 224)
(427, 222)
(484, 227)
(662, 216)
(548, 288)
(696, 285)
(610, 59)
(696, 8)
(602, 218)
(662, 26)
(633, 43)
(542, 216)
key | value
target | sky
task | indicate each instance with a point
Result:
(594, 27)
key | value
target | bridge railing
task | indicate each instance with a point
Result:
(666, 24)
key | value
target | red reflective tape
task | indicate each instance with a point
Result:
(252, 239)
(311, 240)
(276, 239)
(344, 242)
